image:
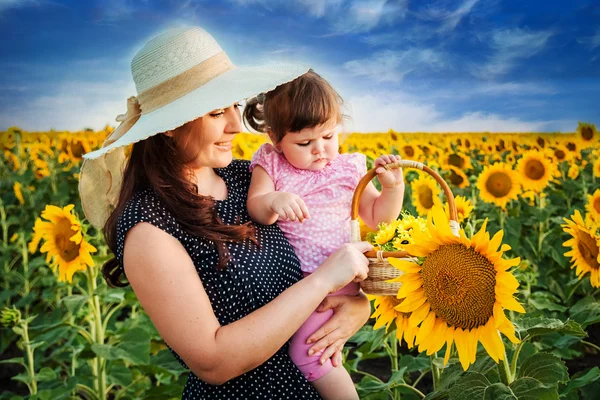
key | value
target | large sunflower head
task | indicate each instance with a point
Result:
(458, 292)
(385, 313)
(593, 207)
(498, 184)
(536, 171)
(585, 247)
(64, 244)
(425, 194)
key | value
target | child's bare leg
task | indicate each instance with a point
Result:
(336, 385)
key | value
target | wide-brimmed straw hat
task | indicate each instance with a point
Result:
(179, 76)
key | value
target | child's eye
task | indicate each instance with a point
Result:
(328, 137)
(303, 144)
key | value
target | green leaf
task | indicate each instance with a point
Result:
(438, 395)
(397, 377)
(545, 301)
(498, 391)
(546, 368)
(15, 360)
(412, 364)
(46, 374)
(470, 387)
(586, 311)
(591, 376)
(108, 352)
(541, 326)
(74, 302)
(136, 344)
(532, 389)
(369, 385)
(119, 374)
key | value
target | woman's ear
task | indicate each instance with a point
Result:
(168, 133)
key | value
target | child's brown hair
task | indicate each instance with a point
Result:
(305, 102)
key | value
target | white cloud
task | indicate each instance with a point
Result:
(401, 112)
(72, 106)
(510, 45)
(365, 15)
(318, 8)
(449, 18)
(591, 41)
(392, 66)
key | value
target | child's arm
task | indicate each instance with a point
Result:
(375, 207)
(266, 205)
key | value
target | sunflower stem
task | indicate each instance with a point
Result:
(394, 359)
(504, 370)
(414, 389)
(98, 333)
(29, 352)
(592, 345)
(515, 359)
(435, 372)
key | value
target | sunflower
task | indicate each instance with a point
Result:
(593, 206)
(18, 192)
(464, 207)
(385, 233)
(409, 151)
(573, 172)
(498, 184)
(425, 194)
(535, 170)
(407, 226)
(585, 247)
(385, 313)
(587, 133)
(64, 244)
(457, 160)
(458, 178)
(596, 168)
(460, 290)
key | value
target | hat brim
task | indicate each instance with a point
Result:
(237, 84)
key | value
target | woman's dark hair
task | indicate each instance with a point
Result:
(305, 102)
(157, 163)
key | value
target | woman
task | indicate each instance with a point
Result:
(221, 291)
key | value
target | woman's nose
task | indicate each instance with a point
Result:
(234, 119)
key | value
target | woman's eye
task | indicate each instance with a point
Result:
(217, 114)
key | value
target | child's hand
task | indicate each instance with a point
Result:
(289, 206)
(391, 178)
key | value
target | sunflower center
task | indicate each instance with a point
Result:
(597, 204)
(455, 178)
(559, 154)
(67, 249)
(426, 197)
(541, 142)
(535, 170)
(409, 151)
(459, 284)
(588, 248)
(499, 184)
(587, 133)
(456, 160)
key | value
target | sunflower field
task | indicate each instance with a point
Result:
(507, 308)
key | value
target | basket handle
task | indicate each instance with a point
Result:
(362, 184)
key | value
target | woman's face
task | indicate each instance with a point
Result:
(207, 140)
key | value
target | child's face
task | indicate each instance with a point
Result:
(311, 148)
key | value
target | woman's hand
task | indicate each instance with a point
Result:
(350, 313)
(347, 264)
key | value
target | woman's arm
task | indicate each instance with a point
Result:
(168, 288)
(374, 207)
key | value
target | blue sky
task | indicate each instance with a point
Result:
(408, 65)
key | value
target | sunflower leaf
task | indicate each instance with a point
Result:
(546, 368)
(498, 391)
(528, 326)
(472, 386)
(591, 376)
(532, 389)
(586, 311)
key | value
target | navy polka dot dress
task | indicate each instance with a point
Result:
(253, 277)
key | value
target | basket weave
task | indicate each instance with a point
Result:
(380, 270)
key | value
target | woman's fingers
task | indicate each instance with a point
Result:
(338, 345)
(326, 340)
(336, 360)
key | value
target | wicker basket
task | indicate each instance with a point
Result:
(380, 270)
